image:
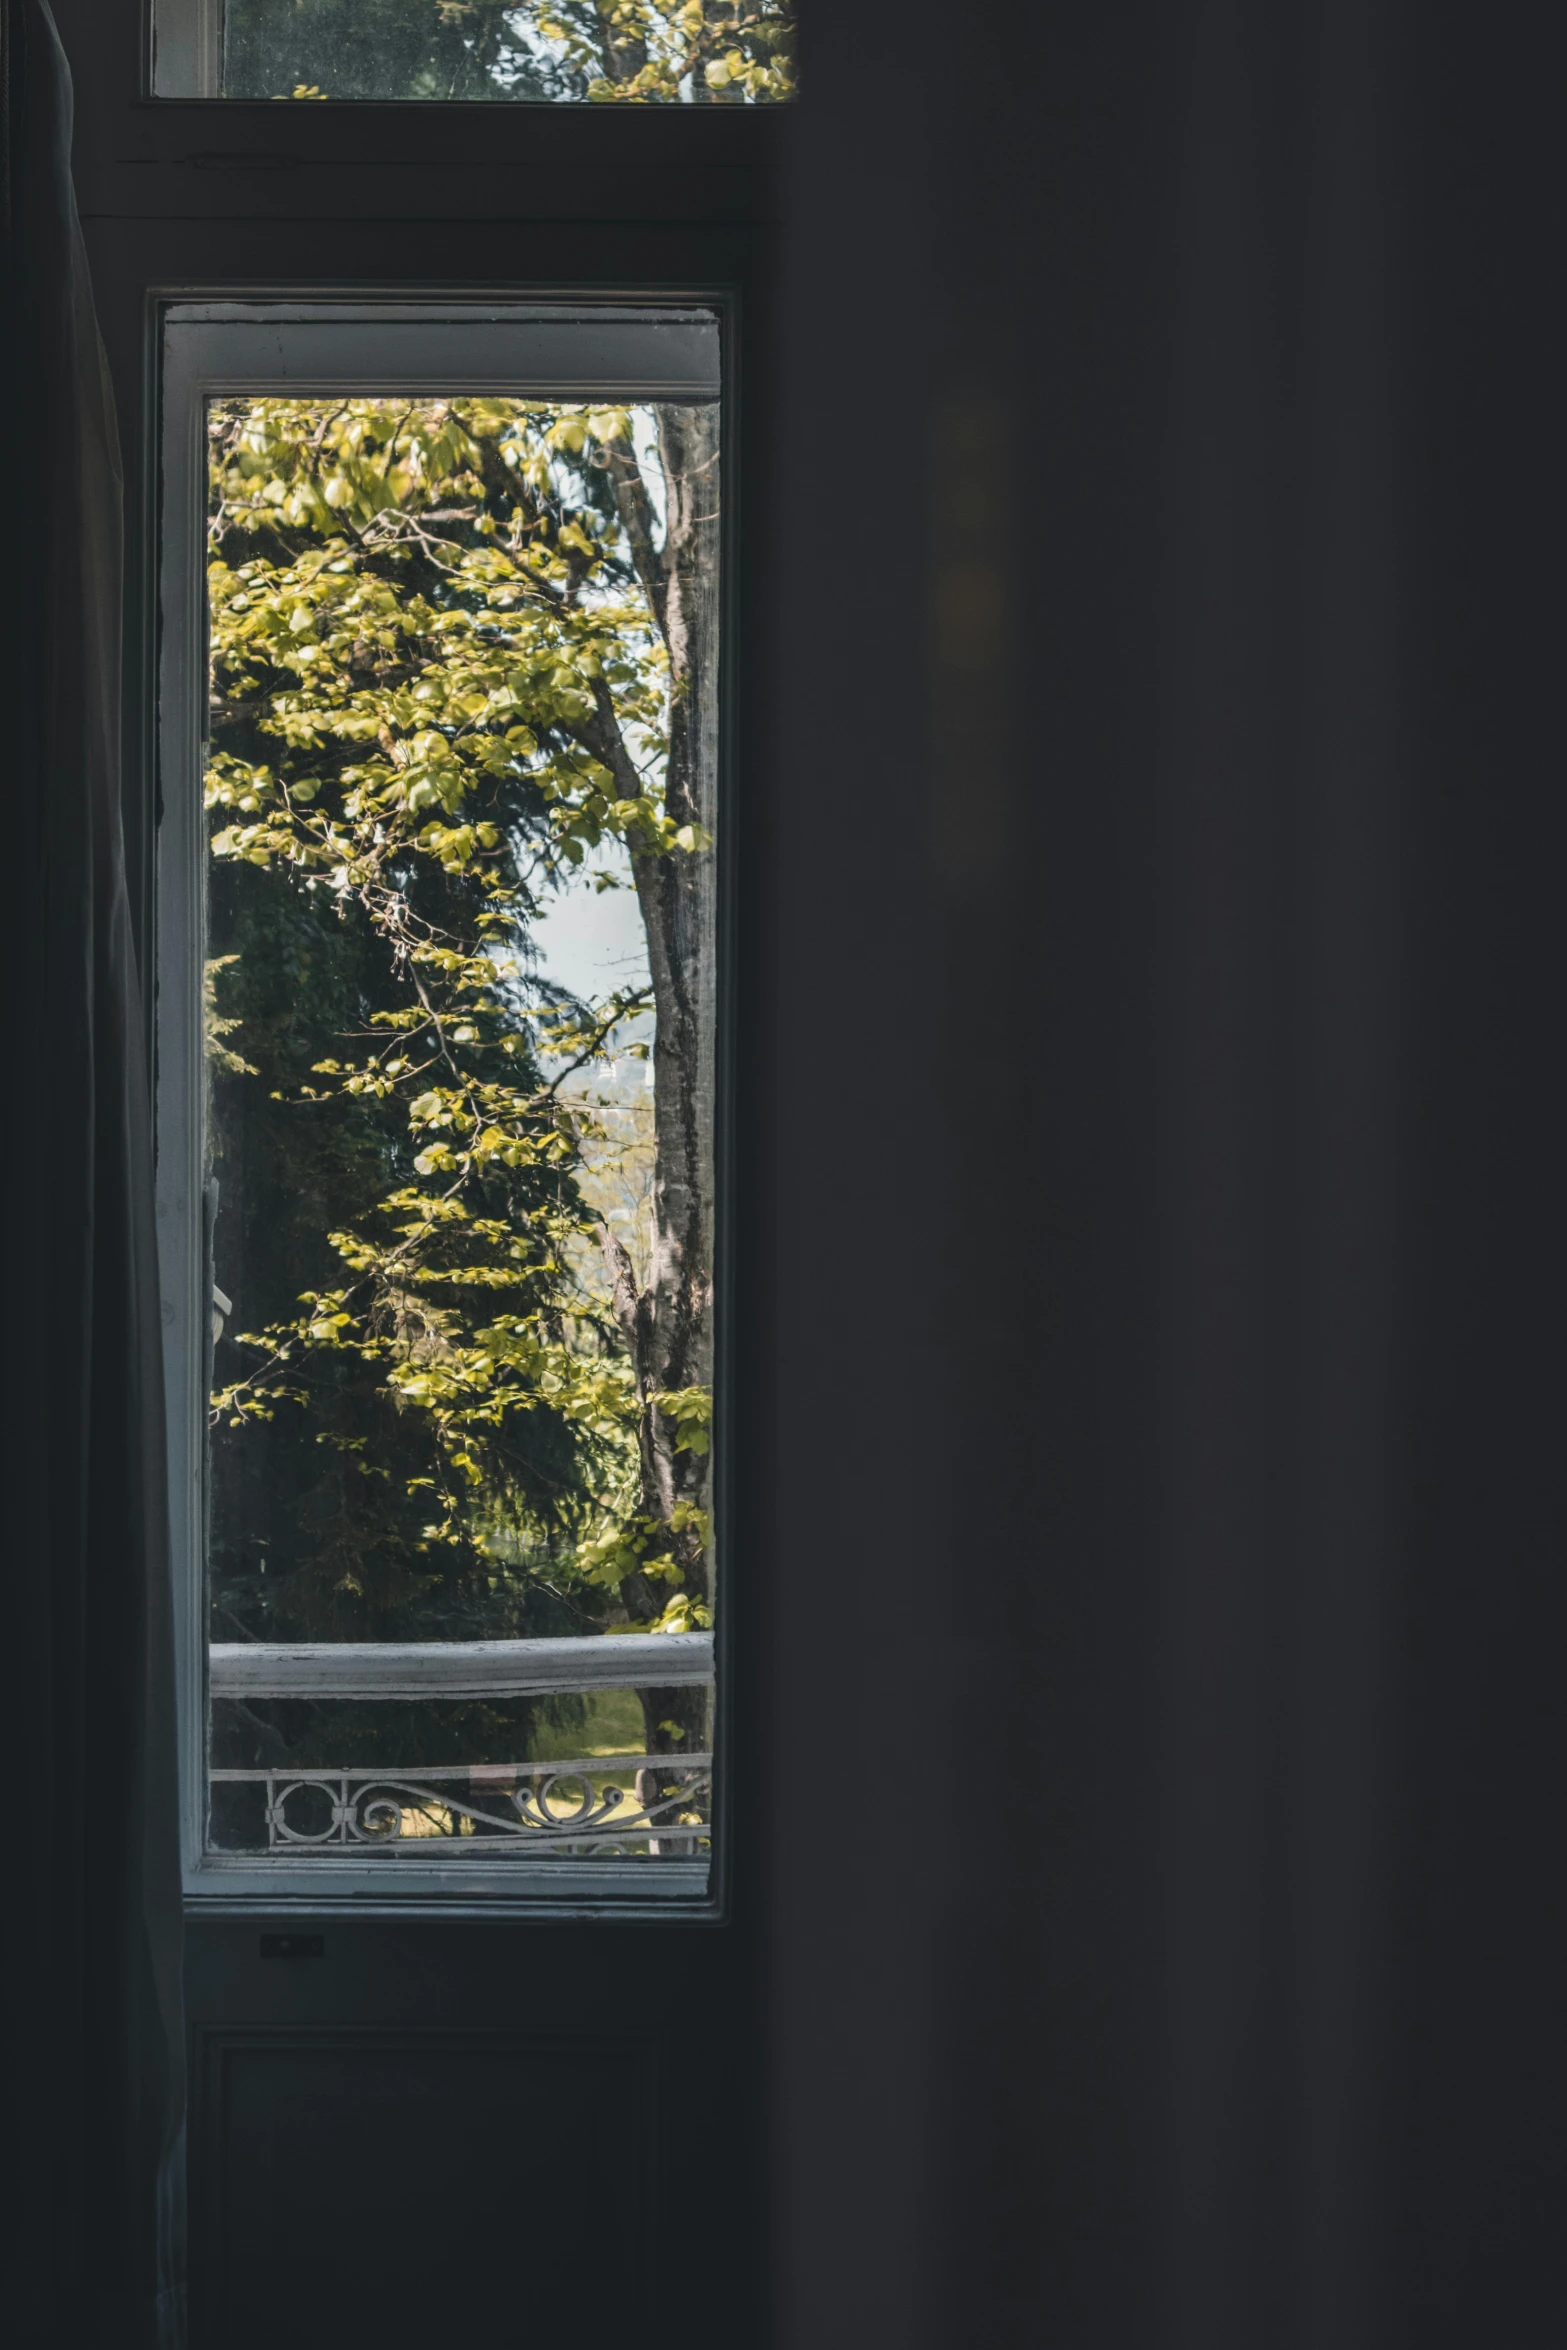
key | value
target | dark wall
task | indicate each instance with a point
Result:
(1481, 2086)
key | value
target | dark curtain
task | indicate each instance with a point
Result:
(1162, 795)
(90, 2006)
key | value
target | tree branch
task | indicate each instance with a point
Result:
(622, 1286)
(636, 514)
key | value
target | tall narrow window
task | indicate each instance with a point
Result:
(584, 52)
(438, 998)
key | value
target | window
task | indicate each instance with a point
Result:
(670, 52)
(438, 998)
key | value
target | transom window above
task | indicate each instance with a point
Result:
(560, 52)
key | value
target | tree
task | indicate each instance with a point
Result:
(458, 646)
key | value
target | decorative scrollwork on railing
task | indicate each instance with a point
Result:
(567, 1808)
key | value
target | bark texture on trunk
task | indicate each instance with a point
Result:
(667, 1321)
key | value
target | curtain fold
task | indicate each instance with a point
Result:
(1085, 2040)
(91, 1984)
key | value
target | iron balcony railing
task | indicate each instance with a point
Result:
(595, 1806)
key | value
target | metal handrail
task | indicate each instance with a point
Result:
(459, 1668)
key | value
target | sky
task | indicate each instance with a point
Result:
(589, 940)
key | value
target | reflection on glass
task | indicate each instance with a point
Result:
(706, 52)
(459, 1030)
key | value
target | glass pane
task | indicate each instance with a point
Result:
(459, 1006)
(572, 52)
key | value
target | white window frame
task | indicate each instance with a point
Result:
(555, 350)
(187, 48)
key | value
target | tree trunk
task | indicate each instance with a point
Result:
(668, 1322)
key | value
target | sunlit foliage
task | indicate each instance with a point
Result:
(703, 52)
(435, 671)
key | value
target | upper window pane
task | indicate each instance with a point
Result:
(561, 52)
